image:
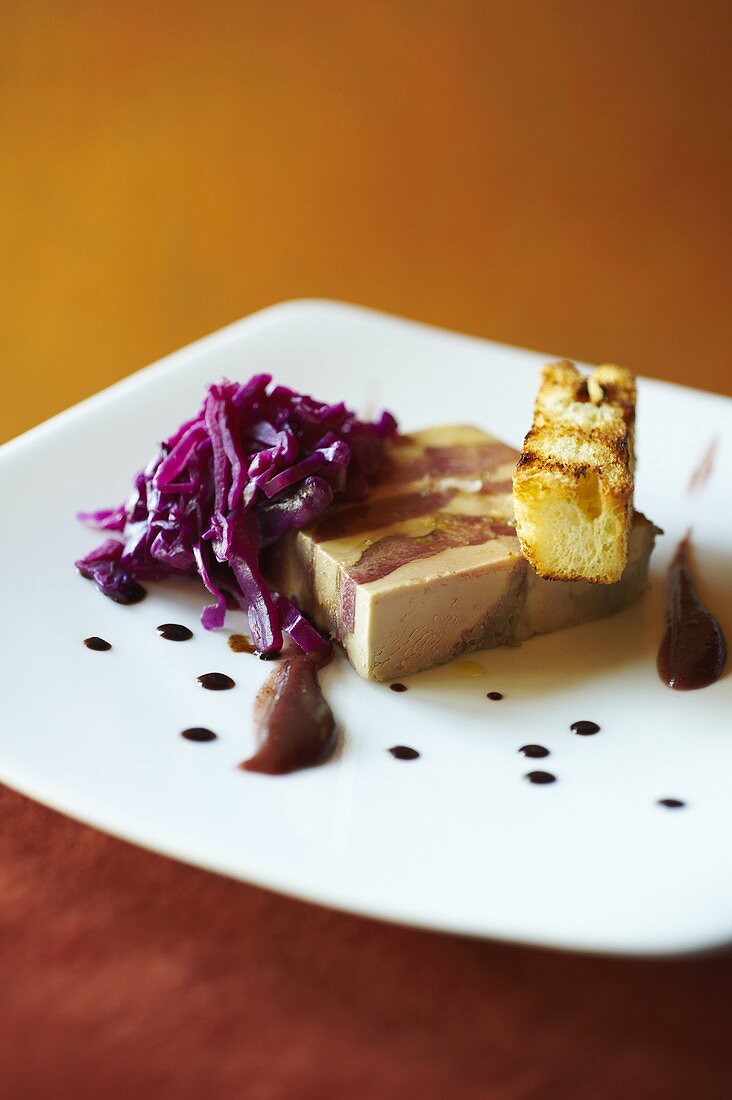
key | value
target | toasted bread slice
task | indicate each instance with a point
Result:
(573, 485)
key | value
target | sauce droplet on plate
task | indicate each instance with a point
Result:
(174, 632)
(198, 733)
(468, 670)
(99, 645)
(705, 469)
(585, 728)
(403, 752)
(239, 643)
(534, 751)
(693, 651)
(398, 687)
(129, 592)
(541, 777)
(216, 681)
(671, 803)
(494, 695)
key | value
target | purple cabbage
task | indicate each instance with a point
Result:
(255, 462)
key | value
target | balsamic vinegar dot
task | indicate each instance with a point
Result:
(403, 752)
(129, 592)
(585, 728)
(534, 751)
(198, 733)
(174, 632)
(671, 803)
(216, 681)
(99, 645)
(398, 687)
(541, 777)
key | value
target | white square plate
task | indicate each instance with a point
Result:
(456, 840)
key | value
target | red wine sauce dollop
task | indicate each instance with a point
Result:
(295, 726)
(693, 650)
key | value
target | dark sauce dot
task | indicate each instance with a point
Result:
(541, 777)
(534, 751)
(494, 695)
(174, 632)
(398, 687)
(585, 729)
(671, 803)
(403, 752)
(97, 644)
(129, 592)
(216, 681)
(198, 733)
(239, 643)
(271, 655)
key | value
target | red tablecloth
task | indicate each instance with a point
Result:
(127, 975)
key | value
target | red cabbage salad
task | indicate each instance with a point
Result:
(256, 461)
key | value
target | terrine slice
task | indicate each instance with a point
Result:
(429, 565)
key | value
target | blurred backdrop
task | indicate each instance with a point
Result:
(554, 173)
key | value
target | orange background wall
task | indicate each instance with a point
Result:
(554, 174)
